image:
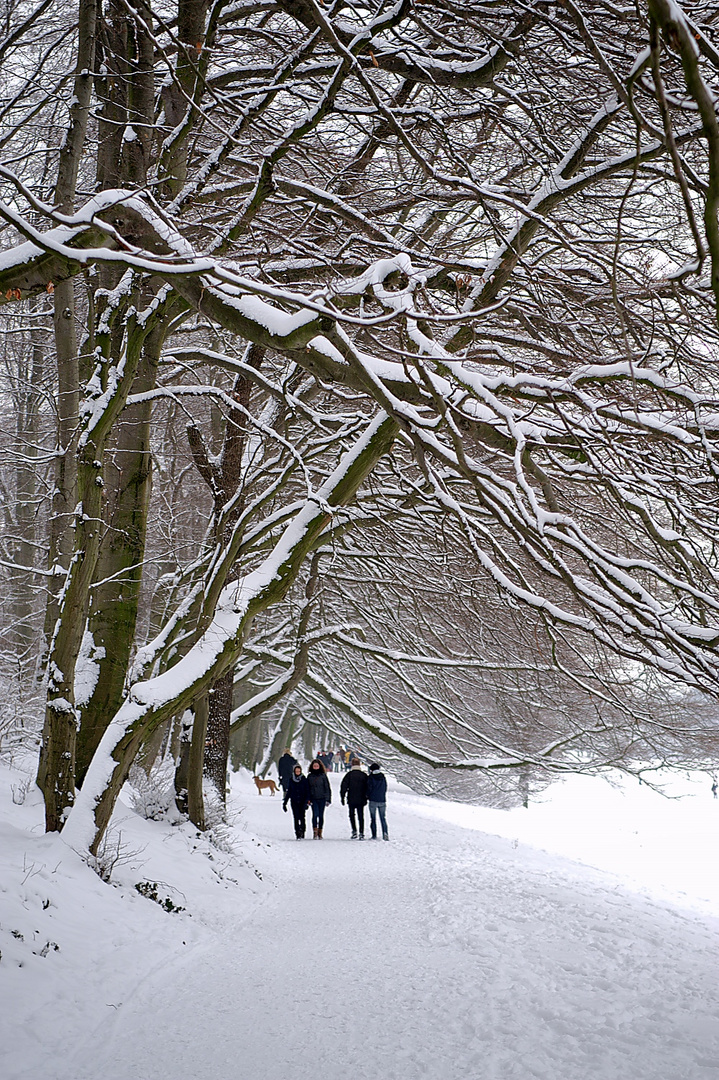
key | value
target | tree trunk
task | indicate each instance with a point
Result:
(217, 745)
(126, 92)
(195, 800)
(118, 577)
(182, 770)
(179, 92)
(24, 523)
(60, 734)
(58, 747)
(64, 497)
(60, 713)
(283, 736)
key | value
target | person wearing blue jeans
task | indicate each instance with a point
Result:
(354, 789)
(320, 796)
(377, 798)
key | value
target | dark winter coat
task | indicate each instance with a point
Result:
(319, 786)
(284, 767)
(298, 792)
(354, 787)
(377, 787)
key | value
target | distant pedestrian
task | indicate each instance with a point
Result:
(320, 796)
(354, 789)
(377, 798)
(285, 767)
(324, 758)
(298, 796)
(714, 789)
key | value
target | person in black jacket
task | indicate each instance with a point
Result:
(320, 796)
(285, 767)
(354, 789)
(298, 795)
(377, 797)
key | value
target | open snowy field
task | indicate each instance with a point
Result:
(578, 939)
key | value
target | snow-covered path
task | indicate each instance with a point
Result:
(446, 953)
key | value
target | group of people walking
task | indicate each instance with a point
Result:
(336, 760)
(357, 790)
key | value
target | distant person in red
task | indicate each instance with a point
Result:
(354, 789)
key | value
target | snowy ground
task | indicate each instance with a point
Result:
(469, 946)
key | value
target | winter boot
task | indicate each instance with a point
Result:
(319, 834)
(385, 836)
(315, 831)
(361, 836)
(354, 834)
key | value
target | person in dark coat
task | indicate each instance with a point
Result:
(298, 796)
(320, 796)
(354, 789)
(285, 767)
(377, 798)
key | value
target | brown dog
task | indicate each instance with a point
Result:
(263, 784)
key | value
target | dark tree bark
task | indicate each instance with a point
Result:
(217, 744)
(118, 576)
(56, 770)
(195, 799)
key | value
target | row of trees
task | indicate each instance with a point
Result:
(360, 364)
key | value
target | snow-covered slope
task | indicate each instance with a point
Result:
(449, 952)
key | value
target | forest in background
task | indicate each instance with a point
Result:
(358, 375)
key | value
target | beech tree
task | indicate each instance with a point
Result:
(453, 255)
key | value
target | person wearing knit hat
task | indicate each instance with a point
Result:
(285, 768)
(354, 789)
(377, 797)
(298, 796)
(320, 795)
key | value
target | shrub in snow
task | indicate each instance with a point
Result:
(151, 796)
(154, 890)
(20, 791)
(19, 956)
(111, 853)
(219, 828)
